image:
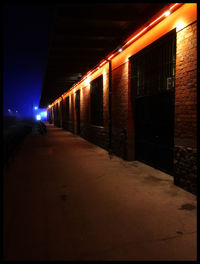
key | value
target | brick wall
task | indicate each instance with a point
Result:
(53, 114)
(56, 115)
(49, 115)
(64, 119)
(95, 134)
(119, 109)
(186, 83)
(71, 113)
(123, 115)
(185, 167)
(60, 107)
(85, 111)
(130, 147)
(185, 152)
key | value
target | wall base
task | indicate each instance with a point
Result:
(185, 168)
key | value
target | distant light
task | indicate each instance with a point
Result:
(43, 114)
(120, 50)
(35, 107)
(9, 110)
(49, 106)
(167, 13)
(38, 117)
(16, 111)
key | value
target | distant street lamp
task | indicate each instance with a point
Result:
(35, 107)
(38, 117)
(9, 112)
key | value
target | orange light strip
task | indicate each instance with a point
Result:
(172, 7)
(110, 56)
(90, 72)
(156, 20)
(152, 23)
(136, 36)
(125, 45)
(102, 63)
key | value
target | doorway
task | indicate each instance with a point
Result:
(77, 106)
(152, 87)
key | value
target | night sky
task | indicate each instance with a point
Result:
(26, 32)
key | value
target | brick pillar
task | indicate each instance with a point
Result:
(130, 120)
(71, 112)
(75, 114)
(61, 113)
(49, 115)
(52, 115)
(120, 110)
(55, 114)
(58, 115)
(185, 167)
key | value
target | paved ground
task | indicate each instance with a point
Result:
(65, 199)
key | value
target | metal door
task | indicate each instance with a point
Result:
(153, 75)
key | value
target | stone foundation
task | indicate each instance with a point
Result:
(185, 168)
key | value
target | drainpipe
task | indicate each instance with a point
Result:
(110, 109)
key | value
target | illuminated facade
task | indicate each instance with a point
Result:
(140, 102)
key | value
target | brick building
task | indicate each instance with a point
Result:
(140, 102)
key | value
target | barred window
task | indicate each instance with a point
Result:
(154, 66)
(96, 92)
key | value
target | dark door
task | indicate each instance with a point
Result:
(152, 73)
(61, 113)
(77, 112)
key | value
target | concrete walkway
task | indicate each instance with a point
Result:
(65, 199)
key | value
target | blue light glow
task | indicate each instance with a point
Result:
(38, 117)
(22, 84)
(35, 107)
(43, 114)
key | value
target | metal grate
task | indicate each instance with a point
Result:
(154, 67)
